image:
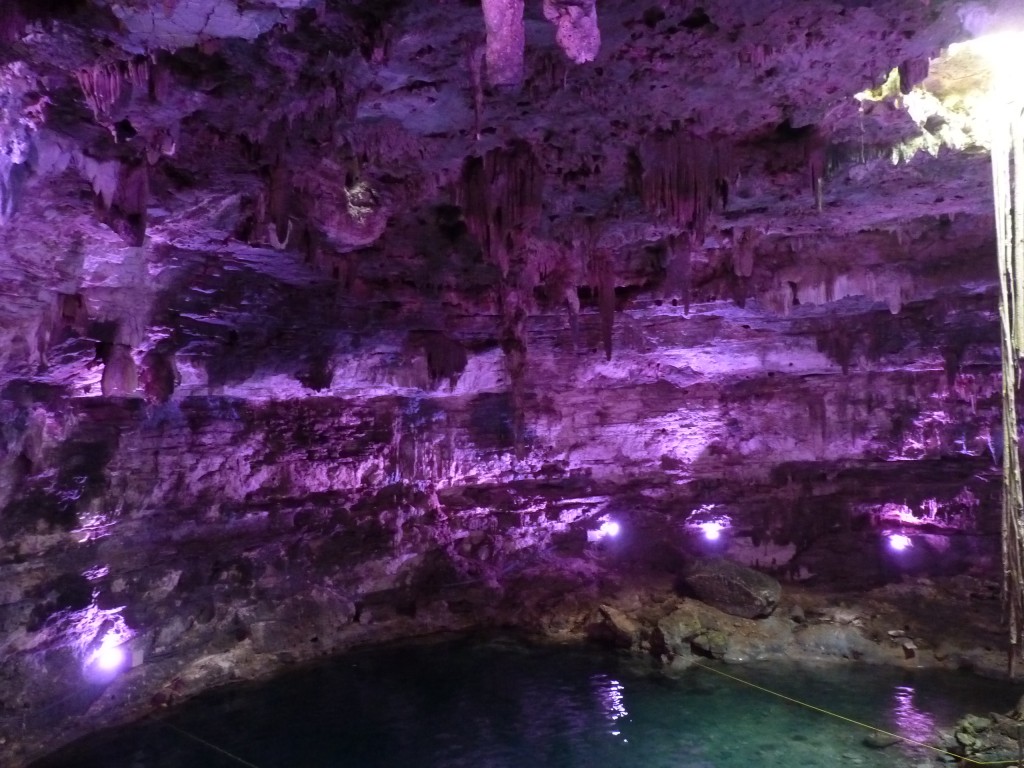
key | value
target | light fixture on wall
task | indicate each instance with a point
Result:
(900, 542)
(608, 529)
(712, 531)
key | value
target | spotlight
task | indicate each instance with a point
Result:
(712, 531)
(109, 658)
(610, 528)
(899, 542)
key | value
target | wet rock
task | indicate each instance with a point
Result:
(977, 723)
(880, 740)
(733, 588)
(1009, 727)
(841, 641)
(677, 630)
(623, 630)
(713, 643)
(965, 739)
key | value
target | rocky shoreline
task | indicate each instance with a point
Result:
(904, 624)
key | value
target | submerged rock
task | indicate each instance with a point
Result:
(733, 588)
(880, 740)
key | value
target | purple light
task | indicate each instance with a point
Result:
(610, 528)
(899, 542)
(712, 531)
(109, 658)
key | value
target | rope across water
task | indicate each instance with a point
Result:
(837, 716)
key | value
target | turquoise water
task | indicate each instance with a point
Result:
(499, 704)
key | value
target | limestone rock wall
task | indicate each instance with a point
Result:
(325, 323)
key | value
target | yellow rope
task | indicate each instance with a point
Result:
(851, 720)
(204, 742)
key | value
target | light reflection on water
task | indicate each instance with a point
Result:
(610, 694)
(500, 705)
(911, 722)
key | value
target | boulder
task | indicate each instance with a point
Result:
(620, 628)
(713, 643)
(678, 629)
(880, 740)
(733, 588)
(832, 640)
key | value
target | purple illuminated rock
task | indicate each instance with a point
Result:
(733, 588)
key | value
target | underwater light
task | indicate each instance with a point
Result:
(899, 542)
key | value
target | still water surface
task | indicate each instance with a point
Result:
(499, 704)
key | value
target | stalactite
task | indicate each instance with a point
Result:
(279, 194)
(132, 202)
(578, 33)
(816, 154)
(744, 243)
(604, 279)
(7, 196)
(572, 305)
(513, 345)
(681, 176)
(506, 42)
(500, 194)
(476, 73)
(159, 82)
(103, 85)
(1008, 188)
(276, 243)
(912, 72)
(680, 266)
(547, 75)
(837, 341)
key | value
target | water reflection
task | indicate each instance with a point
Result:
(476, 705)
(911, 722)
(610, 694)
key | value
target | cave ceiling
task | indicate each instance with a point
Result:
(671, 241)
(618, 241)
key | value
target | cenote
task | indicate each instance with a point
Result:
(502, 703)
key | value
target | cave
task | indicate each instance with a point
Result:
(672, 328)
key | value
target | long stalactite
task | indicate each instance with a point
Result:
(1008, 189)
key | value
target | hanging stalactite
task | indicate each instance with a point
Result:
(681, 176)
(816, 155)
(679, 267)
(604, 279)
(500, 196)
(103, 85)
(1008, 188)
